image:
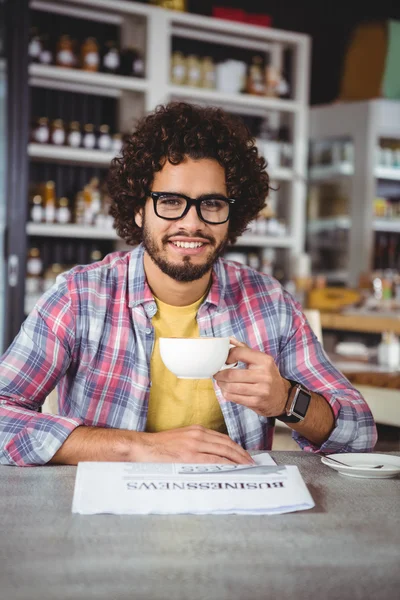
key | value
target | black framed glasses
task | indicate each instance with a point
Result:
(213, 209)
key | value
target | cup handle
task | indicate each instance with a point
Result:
(230, 366)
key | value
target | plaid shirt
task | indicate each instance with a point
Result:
(91, 335)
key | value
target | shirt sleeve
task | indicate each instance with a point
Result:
(303, 359)
(29, 370)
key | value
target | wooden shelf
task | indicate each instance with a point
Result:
(362, 323)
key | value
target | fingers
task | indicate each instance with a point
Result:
(240, 376)
(225, 451)
(219, 442)
(237, 343)
(250, 401)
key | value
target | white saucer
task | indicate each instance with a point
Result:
(361, 465)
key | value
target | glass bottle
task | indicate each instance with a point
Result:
(37, 211)
(95, 255)
(111, 59)
(117, 143)
(74, 137)
(79, 213)
(193, 71)
(40, 131)
(63, 214)
(46, 54)
(87, 197)
(95, 202)
(34, 267)
(57, 133)
(208, 73)
(255, 80)
(51, 274)
(90, 55)
(104, 139)
(89, 138)
(65, 55)
(178, 69)
(132, 63)
(35, 45)
(49, 202)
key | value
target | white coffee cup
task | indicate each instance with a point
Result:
(195, 358)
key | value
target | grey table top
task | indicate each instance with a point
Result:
(347, 547)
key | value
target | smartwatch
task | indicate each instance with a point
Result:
(297, 404)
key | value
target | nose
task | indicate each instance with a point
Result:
(191, 220)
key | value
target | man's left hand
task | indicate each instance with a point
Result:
(259, 387)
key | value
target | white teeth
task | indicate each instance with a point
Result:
(188, 244)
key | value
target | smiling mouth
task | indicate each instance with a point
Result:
(188, 245)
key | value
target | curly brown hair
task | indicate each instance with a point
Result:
(173, 132)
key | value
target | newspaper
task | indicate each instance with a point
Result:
(165, 488)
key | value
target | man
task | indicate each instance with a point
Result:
(188, 182)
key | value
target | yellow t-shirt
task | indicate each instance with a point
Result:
(177, 402)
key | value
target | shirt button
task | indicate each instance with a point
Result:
(148, 331)
(152, 306)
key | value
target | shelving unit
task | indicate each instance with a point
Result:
(152, 31)
(364, 123)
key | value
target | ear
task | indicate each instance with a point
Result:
(139, 218)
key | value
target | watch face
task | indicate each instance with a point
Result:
(302, 402)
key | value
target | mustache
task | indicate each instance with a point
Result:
(197, 234)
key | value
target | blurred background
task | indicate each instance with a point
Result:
(319, 88)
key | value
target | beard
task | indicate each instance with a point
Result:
(185, 271)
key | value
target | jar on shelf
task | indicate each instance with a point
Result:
(111, 60)
(65, 55)
(193, 70)
(116, 143)
(41, 131)
(104, 141)
(178, 69)
(74, 137)
(89, 137)
(63, 213)
(35, 45)
(57, 133)
(37, 211)
(90, 55)
(208, 73)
